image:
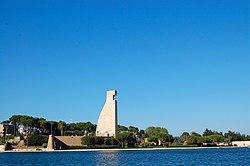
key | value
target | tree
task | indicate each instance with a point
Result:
(183, 136)
(195, 134)
(153, 139)
(2, 140)
(108, 141)
(133, 129)
(99, 140)
(141, 132)
(27, 121)
(37, 140)
(163, 137)
(217, 138)
(36, 123)
(5, 122)
(122, 128)
(71, 126)
(233, 136)
(207, 139)
(156, 134)
(91, 127)
(155, 131)
(61, 126)
(53, 127)
(126, 139)
(88, 140)
(44, 126)
(15, 120)
(207, 132)
(191, 140)
(80, 128)
(247, 138)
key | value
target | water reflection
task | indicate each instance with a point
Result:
(107, 158)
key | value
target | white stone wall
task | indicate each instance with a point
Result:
(1, 128)
(2, 148)
(241, 143)
(107, 122)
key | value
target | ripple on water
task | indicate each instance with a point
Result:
(205, 157)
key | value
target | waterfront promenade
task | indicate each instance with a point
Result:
(115, 149)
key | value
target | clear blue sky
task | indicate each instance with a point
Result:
(183, 65)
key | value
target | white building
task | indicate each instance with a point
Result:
(9, 129)
(241, 143)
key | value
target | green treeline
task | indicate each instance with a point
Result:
(36, 131)
(41, 126)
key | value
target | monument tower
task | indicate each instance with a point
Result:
(107, 122)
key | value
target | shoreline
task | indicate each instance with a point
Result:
(109, 150)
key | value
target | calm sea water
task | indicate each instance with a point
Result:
(204, 157)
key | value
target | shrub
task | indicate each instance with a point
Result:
(88, 140)
(2, 140)
(114, 141)
(153, 139)
(108, 141)
(166, 144)
(145, 145)
(99, 140)
(37, 140)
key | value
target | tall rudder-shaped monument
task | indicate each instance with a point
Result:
(107, 122)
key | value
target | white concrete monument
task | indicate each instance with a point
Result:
(107, 122)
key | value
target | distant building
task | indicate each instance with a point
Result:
(241, 143)
(7, 128)
(23, 130)
(107, 122)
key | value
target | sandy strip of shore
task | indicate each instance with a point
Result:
(110, 150)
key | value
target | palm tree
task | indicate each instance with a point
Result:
(61, 126)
